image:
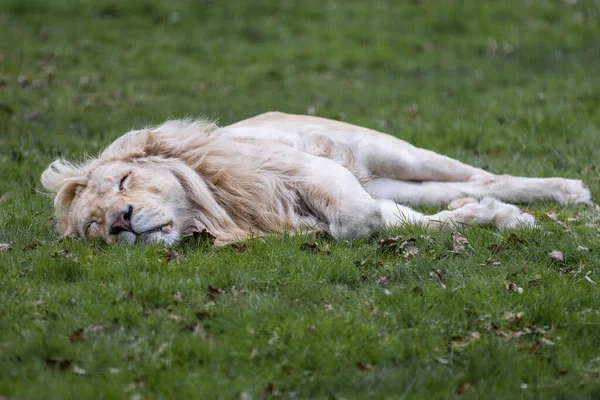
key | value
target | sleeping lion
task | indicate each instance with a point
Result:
(279, 173)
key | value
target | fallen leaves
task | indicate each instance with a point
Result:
(438, 275)
(177, 297)
(96, 329)
(213, 293)
(241, 248)
(78, 370)
(64, 254)
(390, 240)
(496, 248)
(310, 247)
(557, 255)
(514, 318)
(458, 342)
(384, 280)
(169, 255)
(409, 248)
(464, 388)
(364, 366)
(314, 248)
(206, 236)
(537, 282)
(77, 335)
(542, 341)
(512, 287)
(458, 242)
(5, 246)
(405, 246)
(58, 364)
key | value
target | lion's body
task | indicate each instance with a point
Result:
(279, 173)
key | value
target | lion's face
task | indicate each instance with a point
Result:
(129, 201)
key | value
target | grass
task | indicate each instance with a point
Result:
(509, 86)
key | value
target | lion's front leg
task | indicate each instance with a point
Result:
(336, 197)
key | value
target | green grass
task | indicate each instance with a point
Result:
(510, 86)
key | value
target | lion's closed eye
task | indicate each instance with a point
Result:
(89, 227)
(123, 181)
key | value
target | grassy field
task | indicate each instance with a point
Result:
(510, 86)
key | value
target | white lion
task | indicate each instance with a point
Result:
(279, 173)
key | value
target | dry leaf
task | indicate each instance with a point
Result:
(458, 242)
(5, 246)
(491, 261)
(510, 316)
(177, 297)
(565, 226)
(195, 330)
(384, 280)
(253, 354)
(66, 254)
(574, 219)
(551, 215)
(390, 240)
(242, 248)
(311, 247)
(98, 328)
(23, 80)
(438, 275)
(170, 255)
(557, 255)
(213, 293)
(409, 248)
(537, 282)
(533, 348)
(364, 366)
(546, 341)
(459, 342)
(496, 248)
(57, 363)
(78, 370)
(515, 239)
(178, 319)
(4, 197)
(512, 287)
(77, 335)
(464, 388)
(205, 236)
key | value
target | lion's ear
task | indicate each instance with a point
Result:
(131, 145)
(65, 180)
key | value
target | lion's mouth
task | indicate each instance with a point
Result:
(149, 234)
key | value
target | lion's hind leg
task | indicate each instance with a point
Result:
(488, 211)
(512, 189)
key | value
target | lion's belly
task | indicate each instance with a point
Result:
(311, 140)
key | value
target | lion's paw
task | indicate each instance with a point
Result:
(458, 203)
(507, 216)
(572, 191)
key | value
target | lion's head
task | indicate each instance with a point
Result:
(122, 200)
(162, 183)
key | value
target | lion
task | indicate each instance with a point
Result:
(277, 173)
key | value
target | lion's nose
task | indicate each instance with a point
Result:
(123, 222)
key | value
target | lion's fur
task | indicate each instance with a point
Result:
(278, 173)
(235, 189)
